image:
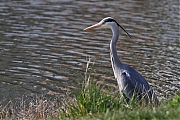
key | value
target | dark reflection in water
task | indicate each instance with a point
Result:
(44, 49)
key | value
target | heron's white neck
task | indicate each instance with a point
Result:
(113, 53)
(115, 31)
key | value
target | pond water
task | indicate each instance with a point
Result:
(44, 49)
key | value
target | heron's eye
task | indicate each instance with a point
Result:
(103, 22)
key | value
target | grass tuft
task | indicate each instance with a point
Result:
(95, 104)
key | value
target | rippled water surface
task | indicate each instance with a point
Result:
(44, 49)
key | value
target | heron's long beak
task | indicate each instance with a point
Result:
(93, 26)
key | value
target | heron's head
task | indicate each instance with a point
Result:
(104, 23)
(107, 22)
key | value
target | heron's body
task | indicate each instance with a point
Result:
(130, 82)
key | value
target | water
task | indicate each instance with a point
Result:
(44, 49)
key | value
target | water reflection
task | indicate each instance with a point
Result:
(44, 49)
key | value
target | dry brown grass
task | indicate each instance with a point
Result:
(34, 107)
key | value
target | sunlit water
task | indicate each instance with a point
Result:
(44, 49)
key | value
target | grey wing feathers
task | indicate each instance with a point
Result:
(133, 82)
(136, 78)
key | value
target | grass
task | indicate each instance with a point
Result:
(30, 107)
(90, 103)
(97, 105)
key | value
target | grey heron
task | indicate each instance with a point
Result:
(130, 82)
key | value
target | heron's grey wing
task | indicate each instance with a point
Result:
(136, 78)
(133, 82)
